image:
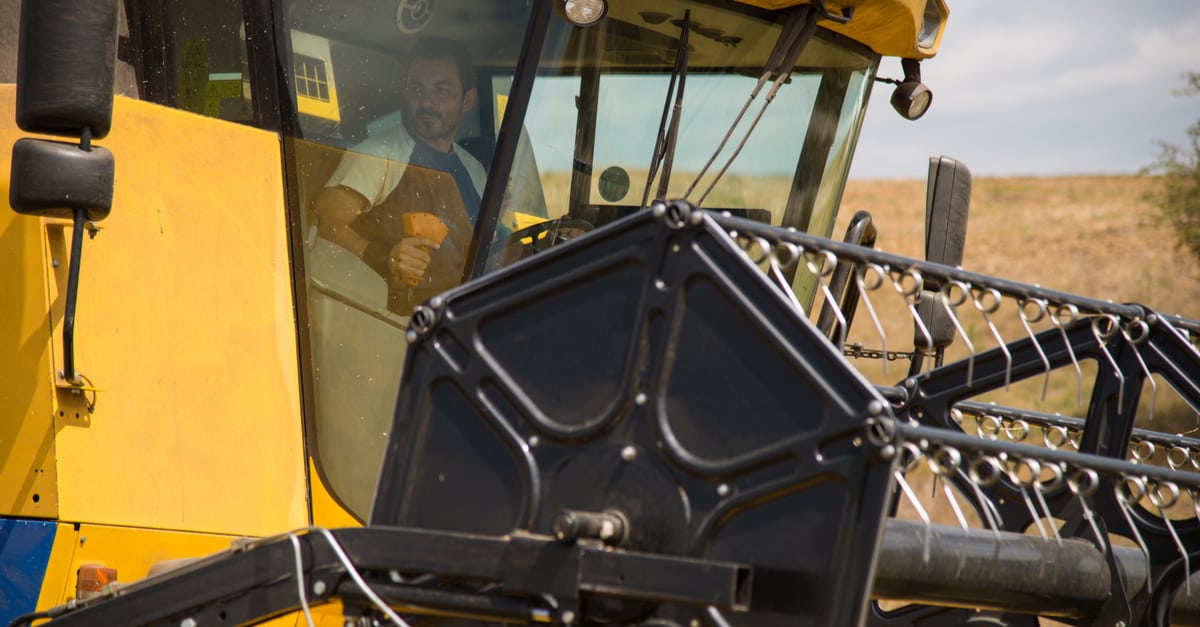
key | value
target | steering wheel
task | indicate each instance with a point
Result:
(541, 236)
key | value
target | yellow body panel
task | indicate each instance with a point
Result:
(185, 324)
(889, 27)
(28, 473)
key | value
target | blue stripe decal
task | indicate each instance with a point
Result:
(24, 554)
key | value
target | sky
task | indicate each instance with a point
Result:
(1043, 89)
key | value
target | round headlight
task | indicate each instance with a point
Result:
(582, 12)
(911, 99)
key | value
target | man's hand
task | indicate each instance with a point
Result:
(409, 258)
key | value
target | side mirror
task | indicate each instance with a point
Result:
(947, 203)
(66, 63)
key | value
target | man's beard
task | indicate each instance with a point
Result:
(431, 125)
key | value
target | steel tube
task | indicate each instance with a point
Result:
(1018, 573)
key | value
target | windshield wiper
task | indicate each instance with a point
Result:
(664, 145)
(797, 31)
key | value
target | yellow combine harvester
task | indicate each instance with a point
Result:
(220, 280)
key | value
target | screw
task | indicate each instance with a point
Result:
(534, 441)
(629, 453)
(874, 407)
(568, 617)
(188, 622)
(640, 399)
(723, 489)
(318, 587)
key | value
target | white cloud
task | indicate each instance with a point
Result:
(1065, 88)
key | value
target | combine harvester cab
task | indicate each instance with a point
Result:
(619, 391)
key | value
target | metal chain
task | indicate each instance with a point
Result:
(857, 351)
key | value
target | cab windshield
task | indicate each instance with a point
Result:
(399, 117)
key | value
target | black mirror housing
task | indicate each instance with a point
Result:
(54, 179)
(66, 64)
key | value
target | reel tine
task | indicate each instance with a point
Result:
(777, 266)
(950, 304)
(1083, 483)
(864, 287)
(1039, 489)
(1014, 474)
(821, 264)
(1026, 319)
(984, 471)
(1136, 332)
(911, 294)
(980, 299)
(1057, 320)
(1130, 490)
(1155, 495)
(1103, 335)
(915, 453)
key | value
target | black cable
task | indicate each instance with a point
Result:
(28, 618)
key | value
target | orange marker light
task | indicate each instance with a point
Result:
(92, 578)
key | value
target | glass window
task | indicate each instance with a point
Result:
(398, 112)
(399, 107)
(191, 55)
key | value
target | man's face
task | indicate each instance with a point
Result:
(434, 101)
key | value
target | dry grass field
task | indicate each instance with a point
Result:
(1096, 236)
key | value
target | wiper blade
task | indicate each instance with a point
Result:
(796, 33)
(664, 145)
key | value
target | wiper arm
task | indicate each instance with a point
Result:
(664, 145)
(797, 31)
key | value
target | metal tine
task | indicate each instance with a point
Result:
(1014, 475)
(950, 305)
(994, 426)
(1057, 321)
(1018, 426)
(1127, 497)
(1136, 332)
(1041, 487)
(777, 265)
(978, 298)
(1083, 483)
(1063, 438)
(1142, 451)
(1163, 503)
(860, 280)
(911, 294)
(1041, 310)
(944, 462)
(1173, 457)
(1102, 338)
(915, 457)
(982, 479)
(821, 264)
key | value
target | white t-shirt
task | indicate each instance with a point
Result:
(373, 167)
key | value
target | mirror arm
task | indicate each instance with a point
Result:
(68, 373)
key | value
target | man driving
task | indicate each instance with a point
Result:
(369, 203)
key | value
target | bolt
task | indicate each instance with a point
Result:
(318, 587)
(1120, 623)
(188, 622)
(534, 441)
(874, 407)
(723, 489)
(54, 263)
(640, 399)
(908, 383)
(629, 453)
(568, 617)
